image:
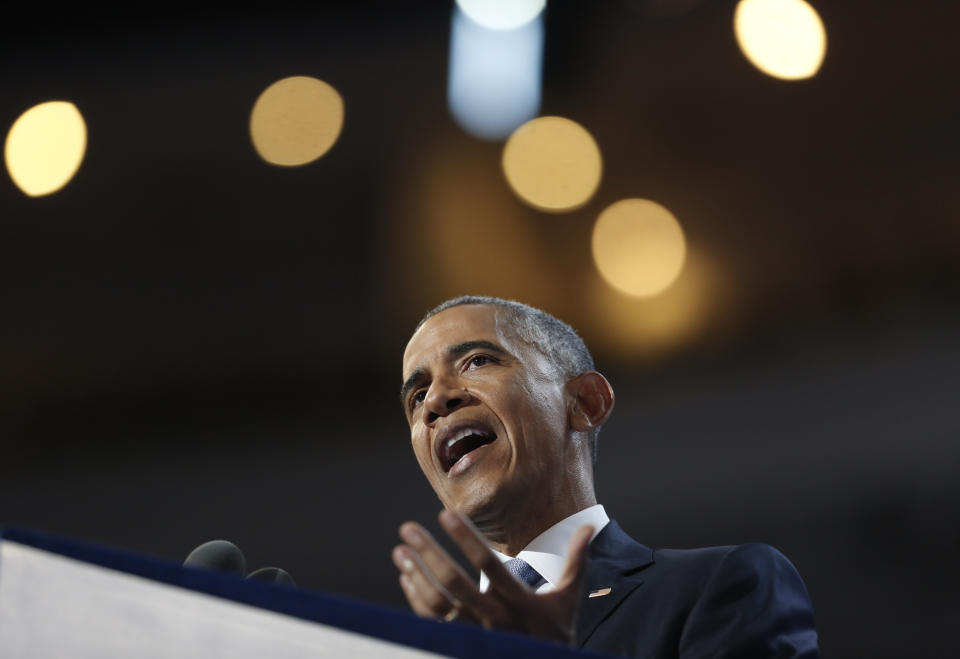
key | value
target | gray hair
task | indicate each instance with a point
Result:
(556, 340)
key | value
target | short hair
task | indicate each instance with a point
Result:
(555, 339)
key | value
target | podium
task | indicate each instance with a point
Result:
(61, 597)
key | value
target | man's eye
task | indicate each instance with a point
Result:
(418, 398)
(479, 360)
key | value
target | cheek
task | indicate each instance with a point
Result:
(544, 402)
(540, 416)
(420, 459)
(421, 451)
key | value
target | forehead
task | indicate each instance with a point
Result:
(467, 322)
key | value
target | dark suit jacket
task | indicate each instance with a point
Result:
(743, 601)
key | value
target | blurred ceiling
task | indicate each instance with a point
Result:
(176, 256)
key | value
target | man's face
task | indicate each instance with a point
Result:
(487, 412)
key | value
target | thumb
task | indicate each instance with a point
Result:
(574, 572)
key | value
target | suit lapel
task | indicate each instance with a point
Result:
(614, 564)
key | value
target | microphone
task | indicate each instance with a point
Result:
(218, 555)
(224, 556)
(272, 575)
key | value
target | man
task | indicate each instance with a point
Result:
(504, 408)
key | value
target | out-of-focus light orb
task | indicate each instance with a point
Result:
(502, 14)
(638, 247)
(699, 304)
(494, 77)
(45, 147)
(553, 164)
(453, 210)
(296, 120)
(783, 38)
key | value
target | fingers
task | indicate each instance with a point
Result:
(434, 579)
(437, 587)
(438, 562)
(475, 548)
(418, 603)
(510, 604)
(426, 596)
(574, 572)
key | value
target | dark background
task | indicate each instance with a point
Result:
(195, 344)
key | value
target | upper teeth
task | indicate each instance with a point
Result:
(466, 432)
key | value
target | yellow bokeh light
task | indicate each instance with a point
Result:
(296, 120)
(45, 147)
(638, 247)
(783, 38)
(553, 164)
(460, 230)
(650, 327)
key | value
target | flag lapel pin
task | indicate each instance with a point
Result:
(599, 592)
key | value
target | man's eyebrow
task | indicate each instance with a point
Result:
(453, 352)
(465, 347)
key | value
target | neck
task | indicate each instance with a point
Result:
(509, 532)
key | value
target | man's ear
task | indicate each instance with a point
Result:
(591, 400)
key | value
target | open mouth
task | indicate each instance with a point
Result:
(463, 441)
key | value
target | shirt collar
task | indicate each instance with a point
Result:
(547, 553)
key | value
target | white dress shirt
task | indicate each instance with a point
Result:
(547, 553)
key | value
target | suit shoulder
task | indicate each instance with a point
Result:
(702, 564)
(761, 556)
(762, 560)
(734, 600)
(756, 553)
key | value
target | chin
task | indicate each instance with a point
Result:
(485, 504)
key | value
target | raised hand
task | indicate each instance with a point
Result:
(437, 587)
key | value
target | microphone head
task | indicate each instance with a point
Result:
(218, 555)
(272, 575)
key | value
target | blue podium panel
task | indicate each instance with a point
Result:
(64, 598)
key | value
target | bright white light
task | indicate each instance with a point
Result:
(783, 38)
(45, 147)
(502, 14)
(495, 76)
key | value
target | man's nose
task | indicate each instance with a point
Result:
(443, 398)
